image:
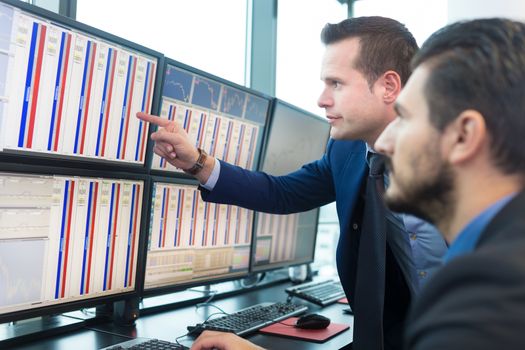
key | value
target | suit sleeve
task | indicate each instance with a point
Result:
(309, 187)
(474, 302)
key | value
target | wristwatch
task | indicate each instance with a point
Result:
(199, 164)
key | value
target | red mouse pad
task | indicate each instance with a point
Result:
(316, 335)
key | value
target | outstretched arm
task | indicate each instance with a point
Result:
(172, 143)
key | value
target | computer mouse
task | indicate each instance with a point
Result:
(312, 321)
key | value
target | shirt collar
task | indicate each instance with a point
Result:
(368, 151)
(467, 239)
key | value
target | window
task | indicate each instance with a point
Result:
(299, 49)
(431, 14)
(206, 34)
(51, 5)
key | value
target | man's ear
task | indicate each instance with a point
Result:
(392, 85)
(466, 136)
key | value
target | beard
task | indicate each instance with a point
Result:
(430, 197)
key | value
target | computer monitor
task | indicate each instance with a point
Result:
(67, 241)
(69, 91)
(192, 242)
(296, 137)
(224, 119)
(73, 175)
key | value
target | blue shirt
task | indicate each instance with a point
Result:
(428, 246)
(467, 239)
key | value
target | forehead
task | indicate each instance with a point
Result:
(341, 54)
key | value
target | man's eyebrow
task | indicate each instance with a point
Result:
(329, 78)
(400, 110)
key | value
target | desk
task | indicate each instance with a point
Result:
(168, 325)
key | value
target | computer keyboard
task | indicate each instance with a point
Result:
(146, 344)
(249, 319)
(321, 293)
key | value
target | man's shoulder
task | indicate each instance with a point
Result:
(347, 145)
(345, 149)
(468, 295)
(345, 155)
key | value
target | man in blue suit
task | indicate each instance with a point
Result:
(366, 62)
(457, 158)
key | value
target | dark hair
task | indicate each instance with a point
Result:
(385, 44)
(480, 65)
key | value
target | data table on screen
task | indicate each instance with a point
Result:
(226, 122)
(67, 238)
(191, 240)
(69, 93)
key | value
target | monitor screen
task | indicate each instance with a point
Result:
(225, 120)
(296, 137)
(70, 91)
(66, 239)
(193, 242)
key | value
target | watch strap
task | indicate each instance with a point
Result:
(199, 164)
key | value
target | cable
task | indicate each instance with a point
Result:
(207, 301)
(196, 328)
(212, 305)
(286, 324)
(111, 333)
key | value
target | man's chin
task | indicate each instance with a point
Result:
(335, 134)
(397, 203)
(342, 132)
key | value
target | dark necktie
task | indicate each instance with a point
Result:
(370, 277)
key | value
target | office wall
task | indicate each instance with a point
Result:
(470, 9)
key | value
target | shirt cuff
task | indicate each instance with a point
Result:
(214, 176)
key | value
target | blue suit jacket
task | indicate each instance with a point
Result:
(338, 176)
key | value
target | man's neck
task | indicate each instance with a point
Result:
(475, 194)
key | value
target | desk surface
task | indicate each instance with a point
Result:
(169, 325)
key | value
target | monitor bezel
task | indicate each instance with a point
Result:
(76, 161)
(17, 168)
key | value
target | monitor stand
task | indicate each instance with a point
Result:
(125, 312)
(300, 273)
(205, 290)
(18, 332)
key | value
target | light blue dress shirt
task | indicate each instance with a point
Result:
(467, 239)
(214, 176)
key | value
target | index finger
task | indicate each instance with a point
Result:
(153, 119)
